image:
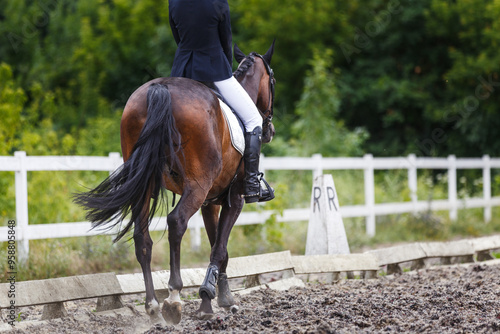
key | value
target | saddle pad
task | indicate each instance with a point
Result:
(237, 137)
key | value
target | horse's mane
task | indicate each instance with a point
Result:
(245, 65)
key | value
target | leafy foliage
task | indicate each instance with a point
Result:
(318, 128)
(12, 100)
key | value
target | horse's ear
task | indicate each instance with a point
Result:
(238, 54)
(269, 53)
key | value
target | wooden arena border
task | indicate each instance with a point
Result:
(108, 287)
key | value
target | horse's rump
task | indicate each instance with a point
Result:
(206, 142)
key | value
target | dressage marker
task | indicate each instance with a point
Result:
(326, 232)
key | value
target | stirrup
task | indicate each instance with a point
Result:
(266, 191)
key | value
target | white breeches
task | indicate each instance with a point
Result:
(240, 101)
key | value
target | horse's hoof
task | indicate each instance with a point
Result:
(204, 316)
(157, 319)
(171, 312)
(234, 309)
(153, 309)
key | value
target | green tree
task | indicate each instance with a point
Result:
(413, 83)
(318, 128)
(299, 27)
(391, 74)
(468, 109)
(12, 99)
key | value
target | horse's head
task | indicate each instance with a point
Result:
(256, 76)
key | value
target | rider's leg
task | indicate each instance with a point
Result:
(243, 105)
(253, 143)
(237, 97)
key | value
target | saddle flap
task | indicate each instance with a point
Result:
(235, 128)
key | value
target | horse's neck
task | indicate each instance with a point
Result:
(251, 86)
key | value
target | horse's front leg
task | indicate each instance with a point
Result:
(143, 252)
(177, 222)
(224, 297)
(216, 276)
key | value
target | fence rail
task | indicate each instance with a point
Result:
(21, 164)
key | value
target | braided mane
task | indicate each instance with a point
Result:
(245, 65)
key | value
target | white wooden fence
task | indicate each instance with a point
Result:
(21, 164)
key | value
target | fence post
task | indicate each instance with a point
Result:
(487, 188)
(116, 161)
(369, 194)
(412, 180)
(452, 186)
(21, 180)
(318, 162)
(195, 226)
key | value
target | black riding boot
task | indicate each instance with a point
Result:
(254, 192)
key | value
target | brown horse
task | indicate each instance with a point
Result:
(174, 136)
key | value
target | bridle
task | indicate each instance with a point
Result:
(267, 115)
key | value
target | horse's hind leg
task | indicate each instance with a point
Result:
(177, 222)
(143, 251)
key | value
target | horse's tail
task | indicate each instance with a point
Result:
(128, 188)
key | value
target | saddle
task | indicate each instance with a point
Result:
(236, 127)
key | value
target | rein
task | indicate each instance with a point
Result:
(270, 109)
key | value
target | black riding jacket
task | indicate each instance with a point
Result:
(202, 31)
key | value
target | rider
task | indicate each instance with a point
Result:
(202, 31)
